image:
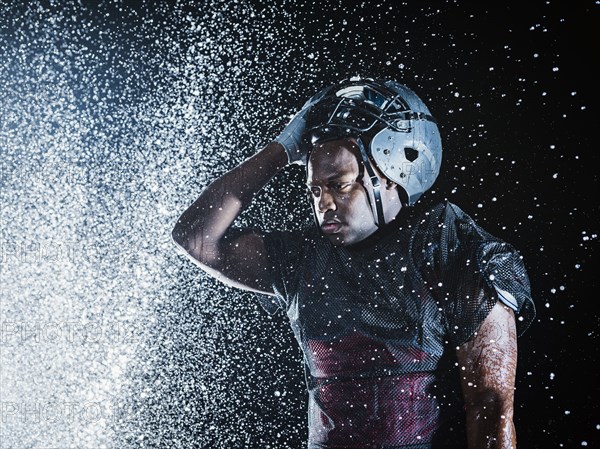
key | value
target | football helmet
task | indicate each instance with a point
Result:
(393, 128)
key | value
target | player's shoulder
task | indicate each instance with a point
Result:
(439, 223)
(296, 240)
(303, 233)
(434, 213)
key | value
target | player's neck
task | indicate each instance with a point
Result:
(383, 231)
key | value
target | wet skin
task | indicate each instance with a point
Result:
(341, 193)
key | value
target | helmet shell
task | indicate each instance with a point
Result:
(404, 139)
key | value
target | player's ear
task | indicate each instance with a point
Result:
(389, 185)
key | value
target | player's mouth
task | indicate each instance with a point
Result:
(331, 226)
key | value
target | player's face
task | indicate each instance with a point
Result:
(341, 203)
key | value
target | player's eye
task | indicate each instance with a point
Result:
(314, 191)
(341, 187)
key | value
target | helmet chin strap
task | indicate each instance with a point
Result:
(378, 209)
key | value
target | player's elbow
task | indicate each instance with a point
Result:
(179, 236)
(203, 251)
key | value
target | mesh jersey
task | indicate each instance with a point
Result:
(378, 324)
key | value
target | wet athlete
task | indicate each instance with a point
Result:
(407, 313)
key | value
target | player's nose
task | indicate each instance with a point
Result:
(325, 202)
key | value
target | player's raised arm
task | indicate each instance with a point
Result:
(238, 260)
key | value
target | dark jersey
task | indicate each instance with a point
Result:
(379, 323)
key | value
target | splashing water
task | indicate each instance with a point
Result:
(111, 119)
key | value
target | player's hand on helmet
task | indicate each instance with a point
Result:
(291, 138)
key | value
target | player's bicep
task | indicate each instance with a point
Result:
(244, 262)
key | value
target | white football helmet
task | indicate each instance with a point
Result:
(391, 124)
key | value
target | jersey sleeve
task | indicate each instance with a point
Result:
(471, 270)
(286, 253)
